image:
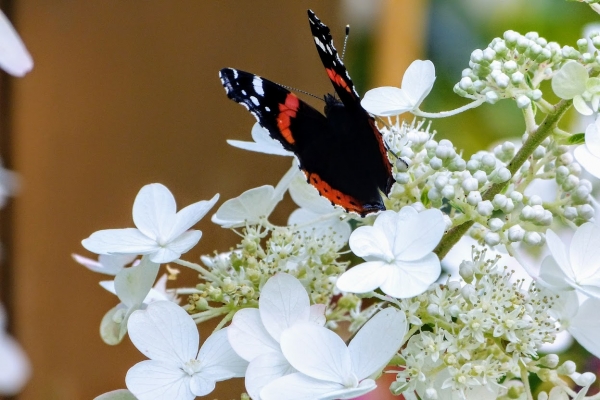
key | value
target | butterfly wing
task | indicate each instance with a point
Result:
(321, 149)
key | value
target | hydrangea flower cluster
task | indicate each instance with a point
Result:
(281, 292)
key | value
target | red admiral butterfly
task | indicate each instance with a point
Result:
(342, 153)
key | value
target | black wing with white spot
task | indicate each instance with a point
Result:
(336, 70)
(288, 119)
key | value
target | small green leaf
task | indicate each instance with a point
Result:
(577, 138)
(425, 198)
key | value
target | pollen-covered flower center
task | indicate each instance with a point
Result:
(191, 367)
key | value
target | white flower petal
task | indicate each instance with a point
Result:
(407, 279)
(298, 386)
(586, 325)
(112, 328)
(283, 302)
(119, 394)
(590, 162)
(14, 366)
(190, 215)
(315, 225)
(585, 255)
(317, 314)
(265, 369)
(387, 101)
(369, 242)
(559, 253)
(592, 137)
(570, 80)
(218, 358)
(263, 143)
(248, 336)
(418, 236)
(119, 241)
(553, 276)
(377, 341)
(14, 57)
(133, 284)
(248, 207)
(581, 106)
(154, 211)
(173, 250)
(418, 81)
(201, 385)
(363, 278)
(317, 352)
(164, 332)
(154, 380)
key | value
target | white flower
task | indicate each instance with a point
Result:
(133, 287)
(14, 57)
(263, 143)
(161, 232)
(254, 205)
(475, 391)
(106, 264)
(398, 250)
(316, 215)
(588, 154)
(572, 81)
(576, 269)
(14, 365)
(581, 321)
(255, 334)
(168, 336)
(416, 85)
(328, 369)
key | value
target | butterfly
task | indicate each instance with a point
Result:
(341, 153)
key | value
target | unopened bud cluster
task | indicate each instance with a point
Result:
(433, 174)
(514, 66)
(234, 279)
(477, 330)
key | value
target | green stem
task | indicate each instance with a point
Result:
(535, 138)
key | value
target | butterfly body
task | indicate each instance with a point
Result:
(341, 153)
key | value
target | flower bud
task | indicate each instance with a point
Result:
(516, 233)
(435, 163)
(535, 200)
(485, 208)
(585, 211)
(517, 197)
(402, 178)
(448, 192)
(491, 97)
(474, 197)
(533, 238)
(567, 368)
(523, 101)
(549, 360)
(491, 238)
(570, 213)
(517, 78)
(495, 224)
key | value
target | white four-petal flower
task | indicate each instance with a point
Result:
(106, 264)
(255, 333)
(572, 81)
(588, 154)
(576, 269)
(327, 368)
(417, 82)
(398, 249)
(168, 336)
(161, 232)
(254, 204)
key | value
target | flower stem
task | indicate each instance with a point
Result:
(525, 380)
(535, 138)
(444, 114)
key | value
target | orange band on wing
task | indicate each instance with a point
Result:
(337, 79)
(335, 196)
(287, 111)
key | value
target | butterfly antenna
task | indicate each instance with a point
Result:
(292, 89)
(345, 41)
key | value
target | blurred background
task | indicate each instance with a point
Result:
(125, 93)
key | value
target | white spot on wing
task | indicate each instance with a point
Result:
(319, 43)
(268, 109)
(258, 86)
(244, 92)
(235, 73)
(254, 100)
